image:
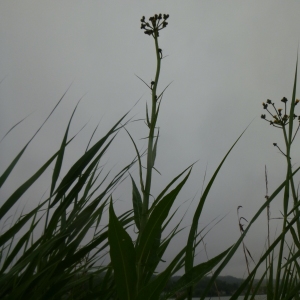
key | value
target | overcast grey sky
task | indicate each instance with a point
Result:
(224, 57)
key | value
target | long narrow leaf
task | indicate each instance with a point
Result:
(80, 165)
(193, 230)
(60, 156)
(123, 257)
(156, 219)
(14, 162)
(137, 204)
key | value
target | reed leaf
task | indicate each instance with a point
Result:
(154, 224)
(189, 258)
(76, 170)
(122, 254)
(9, 169)
(237, 244)
(195, 274)
(137, 204)
(60, 155)
(154, 288)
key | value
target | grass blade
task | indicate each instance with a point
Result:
(14, 162)
(137, 204)
(60, 156)
(196, 273)
(80, 165)
(189, 258)
(154, 224)
(122, 255)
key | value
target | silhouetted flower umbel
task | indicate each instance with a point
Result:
(158, 22)
(280, 118)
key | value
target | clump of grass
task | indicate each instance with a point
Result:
(57, 264)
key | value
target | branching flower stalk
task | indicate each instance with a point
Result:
(280, 121)
(158, 22)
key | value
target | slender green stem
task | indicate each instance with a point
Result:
(150, 157)
(285, 207)
(288, 151)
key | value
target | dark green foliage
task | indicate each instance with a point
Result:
(70, 258)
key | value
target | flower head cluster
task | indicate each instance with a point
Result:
(155, 24)
(280, 118)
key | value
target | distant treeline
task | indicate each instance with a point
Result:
(225, 286)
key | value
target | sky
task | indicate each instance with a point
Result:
(224, 58)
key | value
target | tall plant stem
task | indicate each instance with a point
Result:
(289, 180)
(150, 153)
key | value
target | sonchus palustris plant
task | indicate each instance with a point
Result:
(134, 262)
(282, 281)
(284, 119)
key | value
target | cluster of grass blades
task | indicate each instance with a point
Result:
(61, 264)
(58, 264)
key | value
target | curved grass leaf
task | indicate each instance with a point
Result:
(160, 196)
(14, 162)
(189, 258)
(80, 165)
(18, 226)
(61, 152)
(292, 109)
(137, 204)
(153, 290)
(237, 244)
(74, 192)
(14, 126)
(197, 273)
(24, 239)
(123, 257)
(24, 187)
